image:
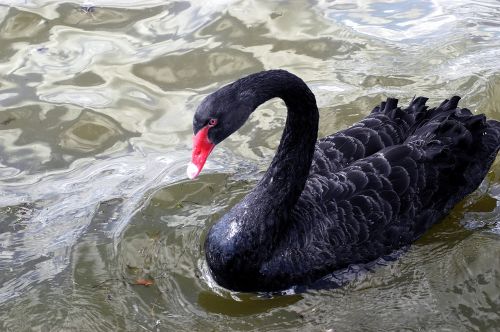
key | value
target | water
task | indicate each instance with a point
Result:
(95, 133)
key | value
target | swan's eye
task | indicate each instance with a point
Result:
(212, 122)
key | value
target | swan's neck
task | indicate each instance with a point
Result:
(285, 178)
(246, 236)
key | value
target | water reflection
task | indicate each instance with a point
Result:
(197, 68)
(394, 20)
(245, 306)
(19, 25)
(95, 131)
(92, 133)
(92, 17)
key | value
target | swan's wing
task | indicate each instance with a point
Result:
(385, 126)
(445, 159)
(385, 201)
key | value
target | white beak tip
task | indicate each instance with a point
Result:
(192, 171)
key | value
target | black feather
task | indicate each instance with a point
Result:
(348, 198)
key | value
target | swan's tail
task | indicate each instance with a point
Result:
(457, 143)
(458, 129)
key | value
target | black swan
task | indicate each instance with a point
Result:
(347, 198)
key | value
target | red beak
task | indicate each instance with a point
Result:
(201, 150)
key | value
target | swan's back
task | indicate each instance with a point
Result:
(386, 125)
(381, 201)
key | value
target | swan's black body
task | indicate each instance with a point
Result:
(348, 198)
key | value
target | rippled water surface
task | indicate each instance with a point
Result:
(96, 103)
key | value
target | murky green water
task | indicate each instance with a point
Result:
(96, 106)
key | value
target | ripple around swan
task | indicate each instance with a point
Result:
(58, 219)
(96, 106)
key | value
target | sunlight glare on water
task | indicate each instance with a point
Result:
(96, 107)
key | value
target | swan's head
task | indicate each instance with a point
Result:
(218, 116)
